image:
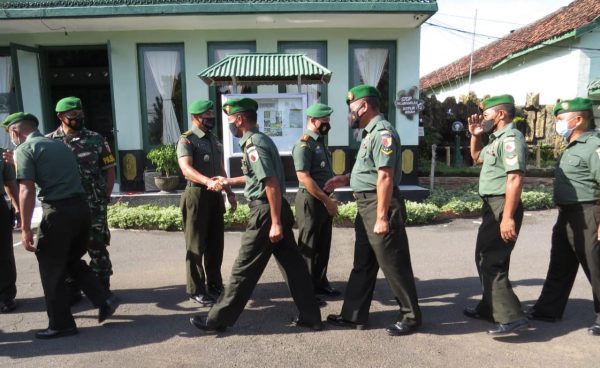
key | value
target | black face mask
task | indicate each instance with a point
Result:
(488, 126)
(234, 130)
(76, 123)
(208, 123)
(324, 128)
(354, 118)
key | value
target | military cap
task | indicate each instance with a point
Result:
(361, 91)
(201, 106)
(318, 110)
(576, 104)
(17, 117)
(236, 105)
(68, 104)
(497, 100)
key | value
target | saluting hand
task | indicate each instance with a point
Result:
(27, 240)
(475, 128)
(276, 233)
(508, 229)
(382, 227)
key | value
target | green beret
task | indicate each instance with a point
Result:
(201, 106)
(576, 104)
(68, 104)
(318, 110)
(236, 105)
(18, 116)
(497, 100)
(362, 91)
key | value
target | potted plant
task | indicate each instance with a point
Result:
(164, 158)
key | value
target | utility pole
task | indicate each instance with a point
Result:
(472, 51)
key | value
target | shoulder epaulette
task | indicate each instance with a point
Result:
(305, 138)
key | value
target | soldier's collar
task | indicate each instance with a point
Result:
(499, 133)
(373, 122)
(247, 136)
(313, 135)
(197, 131)
(583, 137)
(35, 133)
(59, 132)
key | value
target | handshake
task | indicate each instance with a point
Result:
(217, 184)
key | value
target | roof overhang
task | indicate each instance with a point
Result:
(35, 9)
(594, 88)
(260, 68)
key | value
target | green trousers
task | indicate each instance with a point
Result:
(202, 211)
(254, 254)
(390, 252)
(492, 257)
(314, 236)
(8, 271)
(62, 239)
(574, 243)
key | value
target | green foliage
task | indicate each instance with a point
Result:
(145, 217)
(164, 158)
(457, 202)
(421, 213)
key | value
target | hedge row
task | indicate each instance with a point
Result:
(441, 204)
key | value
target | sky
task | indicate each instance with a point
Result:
(440, 47)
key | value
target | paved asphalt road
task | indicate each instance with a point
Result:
(151, 327)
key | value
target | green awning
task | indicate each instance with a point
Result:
(594, 88)
(254, 69)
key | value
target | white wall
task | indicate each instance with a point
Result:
(126, 82)
(553, 73)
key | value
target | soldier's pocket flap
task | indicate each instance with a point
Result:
(574, 161)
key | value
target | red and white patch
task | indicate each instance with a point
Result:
(252, 154)
(386, 140)
(509, 146)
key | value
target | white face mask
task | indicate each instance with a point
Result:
(562, 128)
(14, 140)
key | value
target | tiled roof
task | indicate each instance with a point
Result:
(16, 9)
(254, 68)
(554, 26)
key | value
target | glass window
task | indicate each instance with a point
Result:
(8, 99)
(317, 51)
(373, 63)
(162, 85)
(217, 51)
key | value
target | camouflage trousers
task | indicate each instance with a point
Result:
(99, 241)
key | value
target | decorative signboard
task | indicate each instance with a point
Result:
(408, 102)
(281, 116)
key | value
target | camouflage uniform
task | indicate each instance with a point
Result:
(93, 156)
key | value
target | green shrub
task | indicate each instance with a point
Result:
(537, 200)
(145, 217)
(164, 158)
(421, 213)
(346, 214)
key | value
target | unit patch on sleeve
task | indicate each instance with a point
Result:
(386, 142)
(509, 145)
(252, 154)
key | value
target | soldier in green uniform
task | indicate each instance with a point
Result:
(65, 226)
(500, 185)
(200, 157)
(8, 270)
(576, 234)
(314, 208)
(381, 239)
(97, 170)
(269, 230)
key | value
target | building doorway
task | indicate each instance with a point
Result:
(81, 71)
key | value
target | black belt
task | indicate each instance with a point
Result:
(257, 202)
(195, 185)
(364, 195)
(574, 207)
(65, 201)
(304, 190)
(492, 196)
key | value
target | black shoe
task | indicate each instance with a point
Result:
(204, 300)
(337, 320)
(313, 326)
(53, 334)
(327, 290)
(400, 329)
(204, 324)
(594, 329)
(472, 312)
(8, 306)
(531, 313)
(108, 308)
(320, 302)
(506, 328)
(216, 290)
